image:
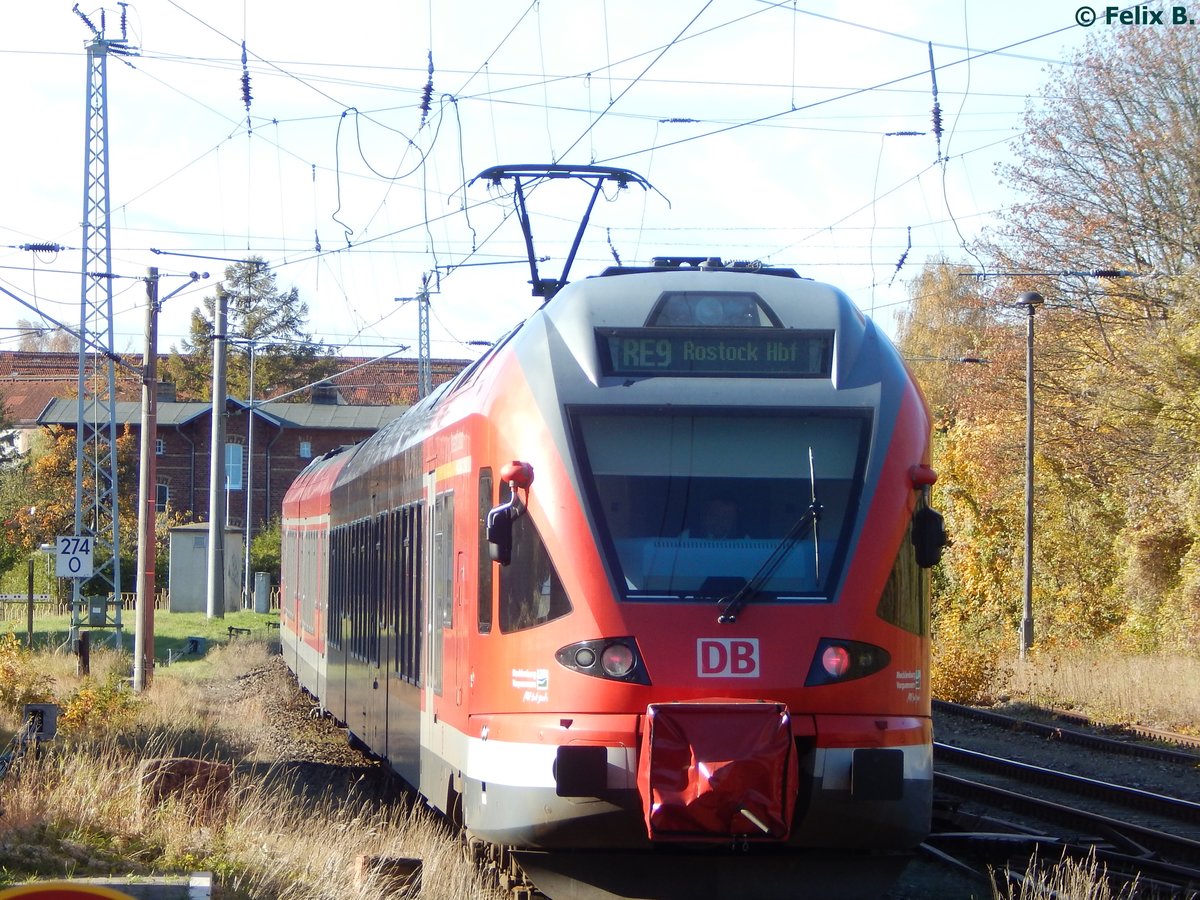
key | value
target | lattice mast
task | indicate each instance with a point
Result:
(96, 495)
(424, 366)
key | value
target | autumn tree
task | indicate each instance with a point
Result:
(37, 500)
(40, 339)
(1109, 181)
(964, 355)
(262, 317)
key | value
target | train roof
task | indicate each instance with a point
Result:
(700, 263)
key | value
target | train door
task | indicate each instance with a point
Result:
(458, 641)
(338, 623)
(443, 566)
(407, 623)
(432, 663)
(380, 604)
(440, 557)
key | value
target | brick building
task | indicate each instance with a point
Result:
(38, 389)
(287, 437)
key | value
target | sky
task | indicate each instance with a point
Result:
(797, 133)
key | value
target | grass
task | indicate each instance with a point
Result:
(74, 810)
(1068, 879)
(1158, 692)
(1103, 682)
(171, 630)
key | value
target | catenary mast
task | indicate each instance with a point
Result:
(96, 432)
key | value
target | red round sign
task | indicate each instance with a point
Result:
(61, 890)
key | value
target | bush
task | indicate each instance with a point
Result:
(20, 680)
(99, 707)
(963, 667)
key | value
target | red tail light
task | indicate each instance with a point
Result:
(837, 660)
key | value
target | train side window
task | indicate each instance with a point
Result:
(308, 565)
(409, 613)
(442, 582)
(531, 592)
(905, 599)
(443, 562)
(337, 568)
(374, 597)
(485, 560)
(357, 567)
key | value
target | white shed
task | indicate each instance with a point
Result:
(188, 583)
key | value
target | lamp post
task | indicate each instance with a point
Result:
(1030, 300)
(246, 599)
(251, 344)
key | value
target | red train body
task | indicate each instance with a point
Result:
(713, 621)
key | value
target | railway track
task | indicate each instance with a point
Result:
(995, 812)
(1127, 740)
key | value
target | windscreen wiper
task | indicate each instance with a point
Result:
(730, 606)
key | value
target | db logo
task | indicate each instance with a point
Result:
(727, 657)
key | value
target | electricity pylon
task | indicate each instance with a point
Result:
(96, 495)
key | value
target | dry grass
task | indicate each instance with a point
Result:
(1159, 692)
(1068, 879)
(74, 810)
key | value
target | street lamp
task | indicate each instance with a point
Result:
(250, 343)
(1030, 300)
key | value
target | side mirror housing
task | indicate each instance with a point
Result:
(499, 533)
(928, 537)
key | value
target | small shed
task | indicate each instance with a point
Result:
(188, 584)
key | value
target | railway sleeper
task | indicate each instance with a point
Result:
(501, 868)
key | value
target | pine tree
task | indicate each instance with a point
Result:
(262, 320)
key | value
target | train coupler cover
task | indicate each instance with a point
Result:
(716, 770)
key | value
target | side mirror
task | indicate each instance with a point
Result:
(516, 474)
(928, 537)
(499, 533)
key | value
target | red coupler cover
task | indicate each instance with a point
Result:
(712, 770)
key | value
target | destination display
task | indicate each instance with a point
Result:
(757, 352)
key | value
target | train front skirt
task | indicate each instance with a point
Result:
(718, 770)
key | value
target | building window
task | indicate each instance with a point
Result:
(306, 449)
(162, 496)
(160, 446)
(233, 467)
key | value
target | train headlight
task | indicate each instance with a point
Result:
(613, 659)
(837, 660)
(585, 657)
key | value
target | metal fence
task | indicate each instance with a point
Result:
(15, 607)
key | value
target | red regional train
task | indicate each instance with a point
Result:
(651, 573)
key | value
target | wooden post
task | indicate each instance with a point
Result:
(83, 649)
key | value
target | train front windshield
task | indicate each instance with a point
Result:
(700, 505)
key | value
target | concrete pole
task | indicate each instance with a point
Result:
(143, 634)
(216, 484)
(1031, 301)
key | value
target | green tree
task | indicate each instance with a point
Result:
(262, 317)
(266, 550)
